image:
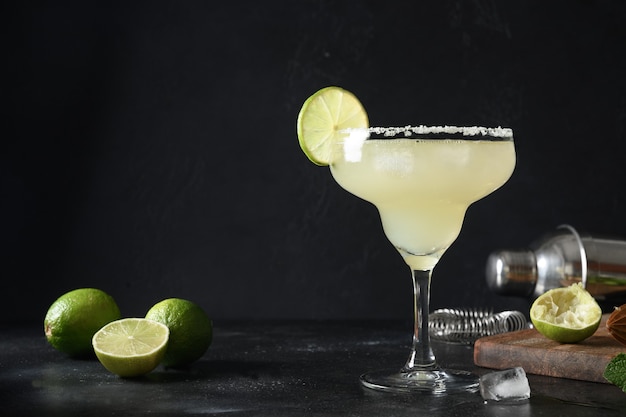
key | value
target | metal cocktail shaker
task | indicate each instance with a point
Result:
(559, 259)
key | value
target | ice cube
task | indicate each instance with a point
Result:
(507, 385)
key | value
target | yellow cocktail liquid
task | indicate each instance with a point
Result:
(423, 187)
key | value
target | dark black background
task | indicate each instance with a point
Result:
(150, 146)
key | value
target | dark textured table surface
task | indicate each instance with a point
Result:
(269, 369)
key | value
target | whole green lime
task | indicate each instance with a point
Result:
(191, 330)
(73, 319)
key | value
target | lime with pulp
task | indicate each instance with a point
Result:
(322, 118)
(191, 330)
(131, 347)
(566, 315)
(73, 319)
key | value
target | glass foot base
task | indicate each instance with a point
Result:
(431, 382)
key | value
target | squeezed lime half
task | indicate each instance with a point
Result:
(566, 315)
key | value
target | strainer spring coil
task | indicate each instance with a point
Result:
(464, 326)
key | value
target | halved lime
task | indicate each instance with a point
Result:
(566, 315)
(131, 347)
(323, 116)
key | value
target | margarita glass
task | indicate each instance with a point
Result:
(422, 180)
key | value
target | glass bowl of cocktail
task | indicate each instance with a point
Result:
(422, 179)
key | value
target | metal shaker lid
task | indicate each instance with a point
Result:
(512, 272)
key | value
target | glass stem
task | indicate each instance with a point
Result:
(422, 356)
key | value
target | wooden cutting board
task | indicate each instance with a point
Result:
(535, 353)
